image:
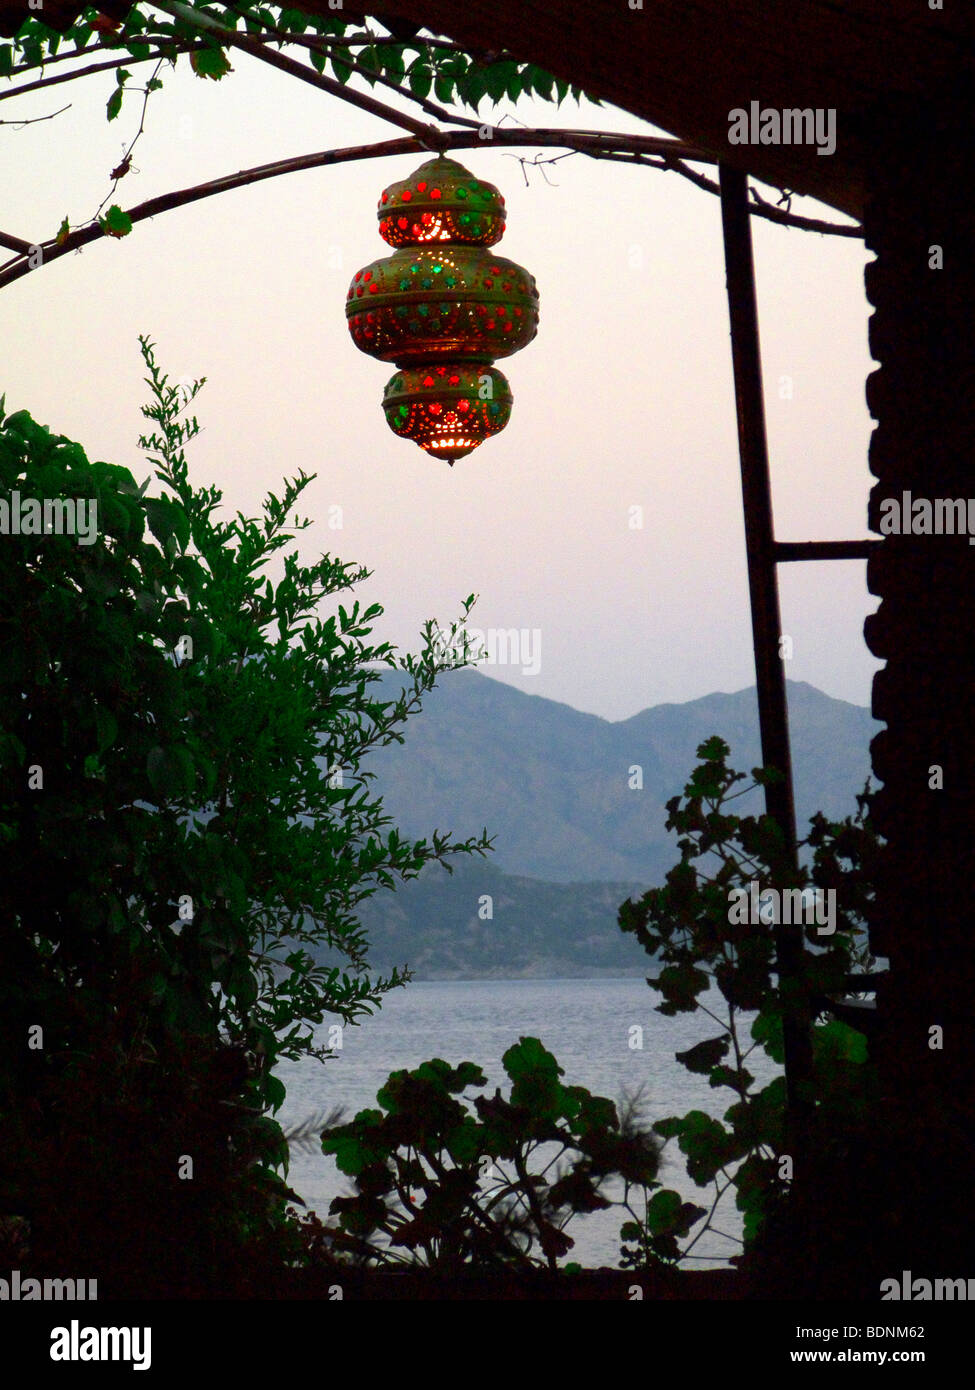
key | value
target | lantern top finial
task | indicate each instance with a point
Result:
(441, 201)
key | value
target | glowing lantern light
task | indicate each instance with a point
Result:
(443, 308)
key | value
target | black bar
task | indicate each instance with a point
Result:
(773, 714)
(823, 550)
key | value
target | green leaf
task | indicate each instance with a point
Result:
(393, 61)
(472, 87)
(498, 77)
(421, 80)
(170, 771)
(838, 1042)
(767, 1030)
(663, 1212)
(106, 726)
(275, 1090)
(528, 1057)
(210, 62)
(341, 69)
(707, 1145)
(705, 1055)
(669, 1128)
(115, 223)
(114, 104)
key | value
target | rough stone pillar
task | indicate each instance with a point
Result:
(922, 396)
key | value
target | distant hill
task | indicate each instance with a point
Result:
(551, 784)
(572, 839)
(438, 926)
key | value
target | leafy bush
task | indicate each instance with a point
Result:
(440, 1186)
(182, 812)
(687, 927)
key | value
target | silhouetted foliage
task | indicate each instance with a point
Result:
(182, 813)
(702, 945)
(441, 1186)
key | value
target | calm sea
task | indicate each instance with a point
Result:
(587, 1024)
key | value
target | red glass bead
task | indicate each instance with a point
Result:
(435, 407)
(359, 292)
(421, 187)
(367, 275)
(429, 381)
(403, 222)
(374, 288)
(441, 371)
(358, 276)
(434, 192)
(489, 284)
(406, 195)
(454, 381)
(427, 218)
(490, 323)
(385, 197)
(463, 406)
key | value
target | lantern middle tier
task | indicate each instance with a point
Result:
(427, 303)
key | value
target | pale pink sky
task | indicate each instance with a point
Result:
(624, 399)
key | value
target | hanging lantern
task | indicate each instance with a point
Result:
(443, 308)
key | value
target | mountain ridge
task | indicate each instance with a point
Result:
(560, 789)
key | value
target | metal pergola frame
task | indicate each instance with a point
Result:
(764, 554)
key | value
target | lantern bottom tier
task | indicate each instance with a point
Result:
(448, 408)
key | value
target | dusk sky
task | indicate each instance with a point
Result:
(624, 399)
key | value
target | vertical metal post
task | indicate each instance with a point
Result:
(773, 712)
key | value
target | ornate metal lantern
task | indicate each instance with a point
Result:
(443, 308)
